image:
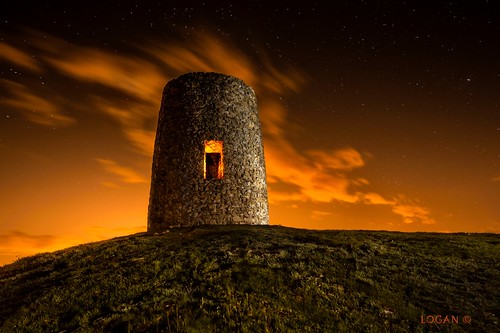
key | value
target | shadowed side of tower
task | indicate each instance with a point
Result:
(208, 162)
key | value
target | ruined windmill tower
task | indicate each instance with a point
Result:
(208, 162)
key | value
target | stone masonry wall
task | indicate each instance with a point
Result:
(207, 106)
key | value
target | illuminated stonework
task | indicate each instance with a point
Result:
(208, 163)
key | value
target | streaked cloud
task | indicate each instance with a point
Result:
(319, 215)
(371, 198)
(110, 184)
(285, 163)
(139, 80)
(129, 74)
(18, 57)
(125, 174)
(19, 239)
(206, 53)
(341, 159)
(33, 107)
(411, 211)
(134, 119)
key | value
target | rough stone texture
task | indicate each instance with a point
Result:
(197, 107)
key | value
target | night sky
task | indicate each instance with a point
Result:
(375, 114)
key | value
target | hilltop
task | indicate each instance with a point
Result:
(258, 279)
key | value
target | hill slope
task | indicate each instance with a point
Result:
(258, 279)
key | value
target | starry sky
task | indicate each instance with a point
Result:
(380, 115)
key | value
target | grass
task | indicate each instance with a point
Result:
(258, 279)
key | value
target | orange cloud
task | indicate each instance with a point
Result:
(319, 215)
(18, 57)
(341, 159)
(412, 211)
(273, 117)
(207, 54)
(33, 107)
(204, 52)
(18, 239)
(373, 199)
(134, 76)
(133, 119)
(319, 176)
(125, 174)
(285, 163)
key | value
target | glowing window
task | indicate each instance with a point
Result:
(213, 160)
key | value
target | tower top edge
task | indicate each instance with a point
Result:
(206, 78)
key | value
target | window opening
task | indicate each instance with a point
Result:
(213, 160)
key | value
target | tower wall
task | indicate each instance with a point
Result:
(198, 108)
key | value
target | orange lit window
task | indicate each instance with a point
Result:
(214, 160)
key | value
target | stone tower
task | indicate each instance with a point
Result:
(208, 162)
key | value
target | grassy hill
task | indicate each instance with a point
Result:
(258, 279)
